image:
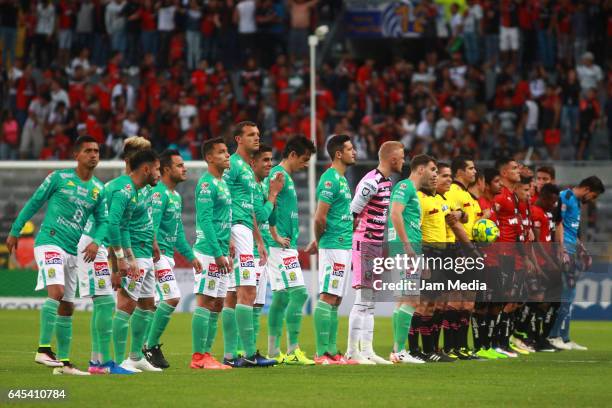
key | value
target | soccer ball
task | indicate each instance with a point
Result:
(485, 231)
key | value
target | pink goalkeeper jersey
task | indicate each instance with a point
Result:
(370, 205)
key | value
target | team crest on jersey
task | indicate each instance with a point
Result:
(166, 288)
(128, 187)
(365, 192)
(204, 185)
(95, 193)
(403, 186)
(53, 258)
(101, 269)
(156, 195)
(164, 275)
(247, 261)
(51, 272)
(291, 262)
(338, 269)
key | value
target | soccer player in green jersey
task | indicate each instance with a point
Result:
(130, 237)
(286, 280)
(95, 282)
(167, 210)
(242, 289)
(213, 205)
(333, 238)
(72, 196)
(405, 238)
(263, 206)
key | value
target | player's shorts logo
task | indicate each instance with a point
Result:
(291, 262)
(101, 283)
(132, 285)
(164, 275)
(51, 272)
(335, 284)
(53, 258)
(245, 274)
(211, 285)
(213, 270)
(247, 261)
(166, 288)
(338, 269)
(101, 269)
(292, 276)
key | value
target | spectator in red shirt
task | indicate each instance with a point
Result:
(9, 136)
(65, 12)
(148, 26)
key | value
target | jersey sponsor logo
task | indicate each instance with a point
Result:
(156, 195)
(101, 269)
(82, 191)
(53, 258)
(70, 183)
(435, 210)
(328, 184)
(204, 185)
(164, 275)
(291, 262)
(403, 186)
(247, 261)
(128, 187)
(213, 271)
(338, 269)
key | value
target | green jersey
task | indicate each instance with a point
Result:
(285, 214)
(240, 180)
(263, 209)
(168, 222)
(405, 193)
(333, 189)
(142, 231)
(121, 196)
(70, 203)
(214, 213)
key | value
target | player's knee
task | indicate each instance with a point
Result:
(55, 292)
(298, 295)
(65, 308)
(173, 302)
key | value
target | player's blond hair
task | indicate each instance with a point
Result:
(388, 148)
(134, 144)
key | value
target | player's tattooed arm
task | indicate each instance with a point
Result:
(38, 199)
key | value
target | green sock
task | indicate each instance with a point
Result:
(256, 317)
(239, 345)
(244, 321)
(140, 325)
(293, 315)
(121, 324)
(93, 331)
(63, 332)
(394, 328)
(48, 315)
(212, 331)
(199, 329)
(160, 321)
(333, 331)
(322, 323)
(276, 314)
(404, 318)
(230, 332)
(104, 306)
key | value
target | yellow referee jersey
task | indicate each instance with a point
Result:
(433, 221)
(460, 198)
(450, 235)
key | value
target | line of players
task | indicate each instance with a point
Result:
(247, 229)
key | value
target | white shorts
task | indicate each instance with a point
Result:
(261, 274)
(144, 286)
(334, 270)
(56, 267)
(508, 38)
(210, 282)
(166, 286)
(244, 262)
(94, 277)
(284, 269)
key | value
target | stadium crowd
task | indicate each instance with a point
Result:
(521, 78)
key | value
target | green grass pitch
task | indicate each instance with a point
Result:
(569, 378)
